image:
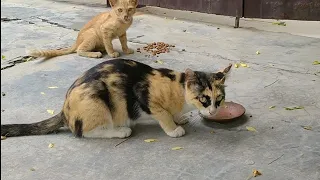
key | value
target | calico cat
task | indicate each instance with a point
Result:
(103, 101)
(97, 35)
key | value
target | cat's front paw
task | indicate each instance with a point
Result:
(114, 54)
(178, 132)
(128, 51)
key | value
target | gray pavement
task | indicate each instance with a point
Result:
(281, 76)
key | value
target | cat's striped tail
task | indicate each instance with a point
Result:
(39, 128)
(52, 53)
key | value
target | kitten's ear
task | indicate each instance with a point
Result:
(227, 69)
(220, 77)
(189, 74)
(113, 2)
(134, 2)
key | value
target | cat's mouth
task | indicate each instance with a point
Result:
(126, 19)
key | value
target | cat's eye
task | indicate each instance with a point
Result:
(130, 9)
(120, 10)
(202, 99)
(219, 98)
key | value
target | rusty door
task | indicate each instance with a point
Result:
(219, 7)
(265, 9)
(282, 9)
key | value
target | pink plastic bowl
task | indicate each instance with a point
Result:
(229, 112)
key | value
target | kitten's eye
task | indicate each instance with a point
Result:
(202, 99)
(120, 10)
(219, 98)
(130, 9)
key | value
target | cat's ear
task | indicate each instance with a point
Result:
(134, 2)
(189, 74)
(220, 77)
(113, 2)
(227, 69)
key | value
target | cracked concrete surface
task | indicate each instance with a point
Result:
(282, 75)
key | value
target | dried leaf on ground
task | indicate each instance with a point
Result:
(50, 111)
(51, 145)
(150, 140)
(3, 57)
(249, 128)
(42, 93)
(293, 108)
(307, 128)
(316, 62)
(236, 65)
(271, 107)
(3, 137)
(256, 173)
(243, 64)
(32, 169)
(159, 61)
(177, 148)
(258, 52)
(212, 132)
(53, 87)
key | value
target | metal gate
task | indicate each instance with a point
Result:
(265, 9)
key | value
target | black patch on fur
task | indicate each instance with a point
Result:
(142, 93)
(167, 73)
(103, 93)
(78, 128)
(182, 79)
(202, 80)
(135, 85)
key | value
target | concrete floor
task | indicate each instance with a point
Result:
(282, 75)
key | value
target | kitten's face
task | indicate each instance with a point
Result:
(206, 90)
(124, 9)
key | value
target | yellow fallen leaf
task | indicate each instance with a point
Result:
(307, 127)
(271, 107)
(293, 108)
(159, 61)
(249, 128)
(32, 169)
(53, 87)
(316, 62)
(177, 148)
(150, 140)
(258, 52)
(3, 137)
(212, 132)
(50, 111)
(243, 64)
(51, 145)
(42, 93)
(236, 65)
(256, 173)
(3, 57)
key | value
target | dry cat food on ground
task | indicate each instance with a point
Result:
(156, 48)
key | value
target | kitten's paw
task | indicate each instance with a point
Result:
(178, 132)
(96, 54)
(128, 51)
(114, 54)
(125, 132)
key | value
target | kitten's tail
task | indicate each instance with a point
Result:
(39, 128)
(52, 53)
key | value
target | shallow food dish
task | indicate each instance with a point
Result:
(228, 112)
